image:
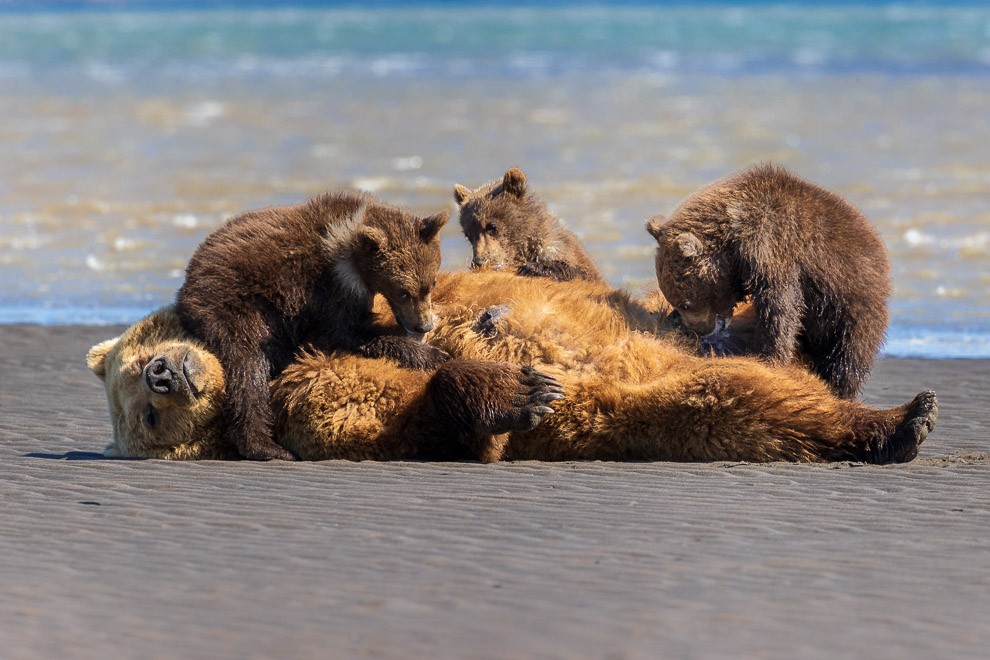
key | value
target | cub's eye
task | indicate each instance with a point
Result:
(406, 296)
(492, 229)
(686, 307)
(151, 417)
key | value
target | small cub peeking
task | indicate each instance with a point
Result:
(266, 281)
(814, 268)
(510, 227)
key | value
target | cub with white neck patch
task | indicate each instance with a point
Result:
(266, 281)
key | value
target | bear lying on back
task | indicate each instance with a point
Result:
(266, 281)
(813, 266)
(630, 395)
(510, 227)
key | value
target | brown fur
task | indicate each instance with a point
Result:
(510, 227)
(814, 268)
(267, 280)
(629, 394)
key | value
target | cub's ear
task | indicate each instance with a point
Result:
(689, 244)
(655, 226)
(431, 226)
(372, 239)
(514, 182)
(96, 359)
(461, 193)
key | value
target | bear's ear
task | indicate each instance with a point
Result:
(96, 359)
(372, 239)
(690, 245)
(461, 193)
(431, 226)
(655, 226)
(514, 182)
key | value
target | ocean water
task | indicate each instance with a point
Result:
(129, 130)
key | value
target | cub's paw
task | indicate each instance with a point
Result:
(557, 270)
(487, 323)
(408, 352)
(268, 451)
(534, 269)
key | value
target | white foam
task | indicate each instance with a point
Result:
(937, 343)
(201, 115)
(404, 164)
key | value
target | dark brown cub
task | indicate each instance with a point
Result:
(266, 281)
(814, 267)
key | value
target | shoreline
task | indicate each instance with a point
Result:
(545, 560)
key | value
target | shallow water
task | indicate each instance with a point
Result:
(128, 135)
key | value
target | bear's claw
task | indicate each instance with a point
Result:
(536, 389)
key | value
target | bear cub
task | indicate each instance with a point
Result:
(267, 281)
(510, 227)
(814, 268)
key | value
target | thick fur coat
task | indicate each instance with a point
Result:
(628, 393)
(266, 281)
(814, 268)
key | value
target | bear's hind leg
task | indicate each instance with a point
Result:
(901, 431)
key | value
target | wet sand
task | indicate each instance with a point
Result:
(111, 558)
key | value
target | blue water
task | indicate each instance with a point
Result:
(130, 129)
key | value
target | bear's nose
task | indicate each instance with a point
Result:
(477, 262)
(158, 376)
(423, 328)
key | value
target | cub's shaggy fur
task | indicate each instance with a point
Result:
(510, 227)
(814, 268)
(266, 281)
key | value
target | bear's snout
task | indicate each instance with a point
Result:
(171, 374)
(159, 375)
(424, 327)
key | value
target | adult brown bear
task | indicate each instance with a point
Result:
(629, 393)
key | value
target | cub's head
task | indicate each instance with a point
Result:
(693, 277)
(164, 391)
(397, 254)
(506, 225)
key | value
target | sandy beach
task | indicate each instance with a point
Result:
(112, 558)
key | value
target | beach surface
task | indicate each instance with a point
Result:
(120, 558)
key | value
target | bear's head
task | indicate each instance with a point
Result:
(397, 254)
(693, 276)
(164, 391)
(506, 225)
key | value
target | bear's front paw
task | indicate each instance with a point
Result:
(408, 352)
(534, 269)
(534, 391)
